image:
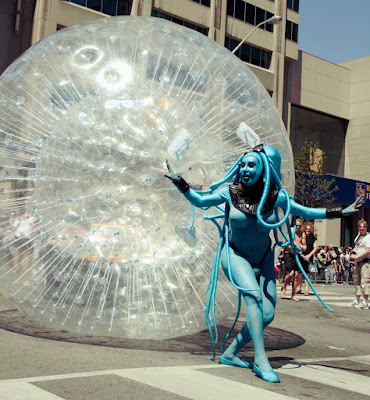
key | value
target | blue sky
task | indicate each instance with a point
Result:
(335, 30)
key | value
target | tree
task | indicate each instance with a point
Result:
(311, 187)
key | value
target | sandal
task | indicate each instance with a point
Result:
(294, 299)
(306, 293)
(282, 293)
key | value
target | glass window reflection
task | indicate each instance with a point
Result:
(239, 10)
(288, 30)
(295, 33)
(328, 131)
(296, 5)
(293, 5)
(291, 31)
(206, 3)
(260, 15)
(250, 54)
(109, 7)
(249, 13)
(200, 29)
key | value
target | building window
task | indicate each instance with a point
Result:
(293, 5)
(269, 27)
(206, 3)
(250, 54)
(239, 10)
(291, 31)
(109, 7)
(179, 21)
(249, 13)
(260, 15)
(288, 30)
(328, 131)
(295, 33)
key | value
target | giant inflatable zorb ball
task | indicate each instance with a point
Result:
(94, 239)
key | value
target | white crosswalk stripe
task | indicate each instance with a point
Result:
(329, 376)
(197, 383)
(334, 299)
(24, 391)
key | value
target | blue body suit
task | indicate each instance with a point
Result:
(245, 250)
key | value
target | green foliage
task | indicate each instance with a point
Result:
(312, 189)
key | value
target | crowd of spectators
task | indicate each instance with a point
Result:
(330, 265)
(326, 264)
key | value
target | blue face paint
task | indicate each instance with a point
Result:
(250, 169)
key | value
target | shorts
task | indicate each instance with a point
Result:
(305, 265)
(290, 263)
(361, 278)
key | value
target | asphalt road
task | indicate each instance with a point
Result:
(317, 354)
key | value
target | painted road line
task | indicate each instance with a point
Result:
(361, 359)
(56, 377)
(94, 373)
(344, 298)
(24, 391)
(190, 381)
(365, 359)
(342, 303)
(197, 385)
(326, 293)
(328, 376)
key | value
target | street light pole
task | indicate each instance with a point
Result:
(273, 20)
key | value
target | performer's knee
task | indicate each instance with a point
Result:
(252, 297)
(268, 317)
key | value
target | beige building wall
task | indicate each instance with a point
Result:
(320, 85)
(357, 155)
(51, 13)
(328, 232)
(342, 91)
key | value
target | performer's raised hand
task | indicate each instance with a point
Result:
(354, 207)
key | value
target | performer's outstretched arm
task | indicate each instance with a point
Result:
(324, 213)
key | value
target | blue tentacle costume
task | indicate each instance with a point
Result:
(249, 210)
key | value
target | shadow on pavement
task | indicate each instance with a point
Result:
(342, 365)
(197, 343)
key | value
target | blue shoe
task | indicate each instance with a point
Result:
(240, 363)
(268, 376)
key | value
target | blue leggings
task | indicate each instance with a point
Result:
(260, 304)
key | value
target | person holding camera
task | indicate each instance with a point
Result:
(361, 255)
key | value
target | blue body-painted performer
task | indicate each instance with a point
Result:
(251, 203)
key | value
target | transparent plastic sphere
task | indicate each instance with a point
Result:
(94, 239)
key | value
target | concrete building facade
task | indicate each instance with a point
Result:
(326, 102)
(16, 24)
